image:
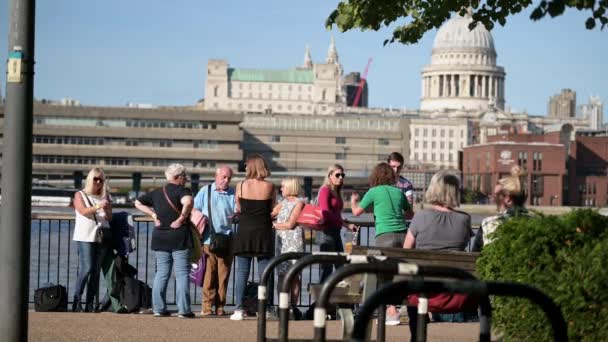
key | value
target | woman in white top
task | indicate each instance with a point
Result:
(93, 211)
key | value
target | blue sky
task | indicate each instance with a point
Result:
(147, 51)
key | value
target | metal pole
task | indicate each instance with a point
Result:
(17, 172)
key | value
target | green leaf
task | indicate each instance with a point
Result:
(590, 24)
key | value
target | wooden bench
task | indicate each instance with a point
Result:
(356, 294)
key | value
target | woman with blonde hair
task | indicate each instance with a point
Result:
(510, 197)
(93, 212)
(255, 199)
(441, 227)
(290, 237)
(331, 203)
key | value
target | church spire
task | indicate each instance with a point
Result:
(307, 59)
(332, 54)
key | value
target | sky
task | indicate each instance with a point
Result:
(111, 52)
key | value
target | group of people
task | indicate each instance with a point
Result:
(253, 202)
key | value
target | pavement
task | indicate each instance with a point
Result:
(91, 327)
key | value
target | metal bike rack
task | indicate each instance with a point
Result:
(262, 289)
(294, 270)
(393, 266)
(398, 291)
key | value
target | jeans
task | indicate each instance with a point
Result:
(243, 267)
(164, 262)
(329, 240)
(90, 257)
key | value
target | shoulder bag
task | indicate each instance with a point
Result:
(104, 234)
(219, 243)
(197, 250)
(311, 217)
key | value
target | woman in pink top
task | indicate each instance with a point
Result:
(330, 201)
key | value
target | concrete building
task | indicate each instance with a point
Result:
(123, 141)
(436, 143)
(562, 105)
(594, 112)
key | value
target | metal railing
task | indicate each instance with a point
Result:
(54, 258)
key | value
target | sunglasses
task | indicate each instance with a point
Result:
(339, 175)
(98, 179)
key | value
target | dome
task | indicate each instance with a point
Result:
(455, 35)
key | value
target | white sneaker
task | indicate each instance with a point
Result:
(237, 315)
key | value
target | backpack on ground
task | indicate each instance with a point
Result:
(51, 298)
(135, 295)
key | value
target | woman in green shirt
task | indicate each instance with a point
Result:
(389, 205)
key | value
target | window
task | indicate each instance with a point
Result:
(424, 157)
(416, 144)
(441, 157)
(451, 133)
(434, 133)
(433, 145)
(449, 157)
(442, 133)
(424, 144)
(416, 132)
(340, 140)
(424, 132)
(416, 156)
(442, 145)
(383, 142)
(432, 156)
(275, 138)
(451, 144)
(340, 156)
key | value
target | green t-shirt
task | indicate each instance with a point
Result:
(389, 203)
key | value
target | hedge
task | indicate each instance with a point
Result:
(564, 256)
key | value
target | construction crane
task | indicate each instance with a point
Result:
(362, 83)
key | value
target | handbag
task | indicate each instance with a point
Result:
(197, 275)
(104, 234)
(219, 243)
(51, 298)
(197, 250)
(311, 217)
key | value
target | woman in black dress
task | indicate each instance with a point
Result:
(255, 199)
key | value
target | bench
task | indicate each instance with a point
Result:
(353, 293)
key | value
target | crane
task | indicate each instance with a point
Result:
(362, 83)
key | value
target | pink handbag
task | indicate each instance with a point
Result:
(311, 217)
(199, 220)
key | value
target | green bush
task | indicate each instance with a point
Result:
(566, 257)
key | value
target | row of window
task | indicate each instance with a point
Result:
(121, 123)
(267, 106)
(206, 144)
(258, 86)
(537, 160)
(434, 132)
(339, 140)
(52, 159)
(271, 96)
(434, 144)
(450, 157)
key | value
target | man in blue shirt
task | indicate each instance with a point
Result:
(217, 269)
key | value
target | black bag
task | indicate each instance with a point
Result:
(51, 298)
(219, 244)
(250, 299)
(135, 295)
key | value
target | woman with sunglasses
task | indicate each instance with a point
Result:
(331, 203)
(93, 211)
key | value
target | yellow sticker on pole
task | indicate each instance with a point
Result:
(14, 67)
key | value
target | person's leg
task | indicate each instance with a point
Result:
(223, 272)
(391, 240)
(85, 264)
(164, 262)
(97, 254)
(262, 263)
(326, 244)
(243, 266)
(412, 314)
(181, 267)
(210, 282)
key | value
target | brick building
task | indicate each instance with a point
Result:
(588, 169)
(544, 162)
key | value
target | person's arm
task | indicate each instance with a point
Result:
(107, 207)
(237, 197)
(408, 212)
(81, 208)
(293, 218)
(410, 241)
(185, 213)
(148, 211)
(354, 206)
(276, 210)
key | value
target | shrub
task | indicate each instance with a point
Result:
(565, 257)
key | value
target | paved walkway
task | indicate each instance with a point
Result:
(128, 328)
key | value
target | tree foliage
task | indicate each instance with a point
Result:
(421, 16)
(563, 256)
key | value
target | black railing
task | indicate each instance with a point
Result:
(54, 257)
